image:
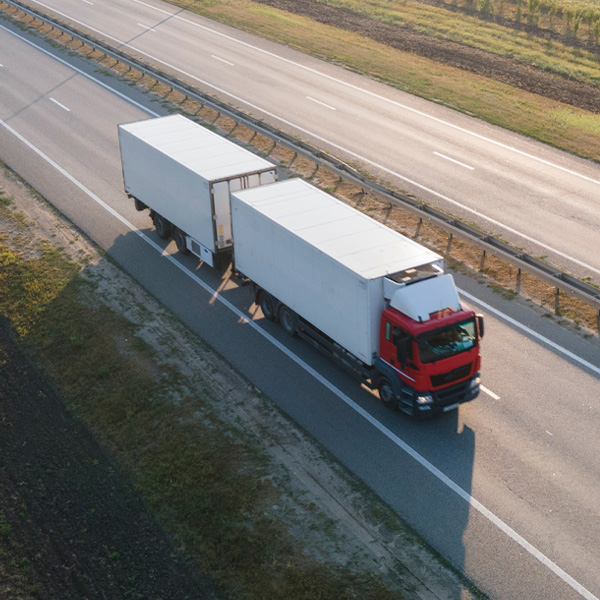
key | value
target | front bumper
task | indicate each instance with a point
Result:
(449, 398)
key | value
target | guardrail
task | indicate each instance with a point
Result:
(488, 244)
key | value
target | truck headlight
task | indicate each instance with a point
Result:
(424, 399)
(475, 382)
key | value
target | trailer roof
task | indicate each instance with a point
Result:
(199, 149)
(367, 247)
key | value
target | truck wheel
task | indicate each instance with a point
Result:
(267, 305)
(139, 205)
(163, 227)
(289, 320)
(179, 238)
(387, 395)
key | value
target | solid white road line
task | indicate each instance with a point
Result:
(362, 90)
(83, 73)
(243, 318)
(531, 332)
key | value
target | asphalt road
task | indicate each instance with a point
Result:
(536, 197)
(506, 488)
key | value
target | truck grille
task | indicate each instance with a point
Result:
(446, 378)
(452, 394)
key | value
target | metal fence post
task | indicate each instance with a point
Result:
(449, 246)
(420, 223)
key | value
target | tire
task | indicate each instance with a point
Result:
(387, 395)
(289, 320)
(163, 227)
(179, 238)
(139, 205)
(267, 305)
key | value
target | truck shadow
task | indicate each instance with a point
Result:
(454, 457)
(430, 481)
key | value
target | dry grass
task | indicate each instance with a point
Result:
(564, 59)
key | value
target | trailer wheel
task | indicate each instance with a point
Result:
(267, 305)
(163, 227)
(387, 395)
(289, 320)
(139, 205)
(179, 238)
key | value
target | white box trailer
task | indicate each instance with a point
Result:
(331, 264)
(183, 172)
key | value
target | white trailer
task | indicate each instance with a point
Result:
(329, 263)
(184, 173)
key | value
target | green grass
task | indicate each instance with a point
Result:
(28, 287)
(497, 103)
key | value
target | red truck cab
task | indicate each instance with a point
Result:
(432, 366)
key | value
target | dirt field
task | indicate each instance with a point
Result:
(505, 70)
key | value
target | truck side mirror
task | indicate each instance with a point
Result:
(480, 325)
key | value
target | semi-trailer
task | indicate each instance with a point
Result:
(183, 173)
(374, 300)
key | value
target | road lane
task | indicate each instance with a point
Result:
(495, 452)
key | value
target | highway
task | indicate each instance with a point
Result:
(534, 196)
(505, 489)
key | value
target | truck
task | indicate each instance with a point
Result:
(375, 301)
(183, 173)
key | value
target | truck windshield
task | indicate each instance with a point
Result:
(442, 343)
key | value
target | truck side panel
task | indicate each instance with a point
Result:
(168, 187)
(329, 295)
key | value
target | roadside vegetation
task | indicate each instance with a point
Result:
(446, 21)
(578, 20)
